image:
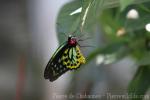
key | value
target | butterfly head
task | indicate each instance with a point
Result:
(72, 40)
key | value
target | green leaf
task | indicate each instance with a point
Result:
(145, 60)
(140, 83)
(67, 23)
(125, 3)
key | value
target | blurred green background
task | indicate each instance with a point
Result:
(118, 61)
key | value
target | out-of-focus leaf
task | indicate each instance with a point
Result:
(125, 3)
(116, 3)
(137, 47)
(145, 60)
(140, 83)
(138, 24)
(114, 48)
(144, 8)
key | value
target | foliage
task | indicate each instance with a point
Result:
(122, 36)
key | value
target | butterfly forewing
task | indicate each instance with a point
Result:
(55, 67)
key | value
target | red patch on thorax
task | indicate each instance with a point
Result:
(72, 42)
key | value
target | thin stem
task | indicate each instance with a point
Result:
(85, 16)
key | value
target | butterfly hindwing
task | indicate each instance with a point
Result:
(73, 58)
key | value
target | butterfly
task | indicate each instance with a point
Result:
(67, 57)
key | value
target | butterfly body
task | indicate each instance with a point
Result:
(67, 57)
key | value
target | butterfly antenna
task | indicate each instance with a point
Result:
(85, 39)
(82, 35)
(85, 45)
(62, 33)
(75, 31)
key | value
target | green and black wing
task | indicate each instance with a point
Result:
(55, 67)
